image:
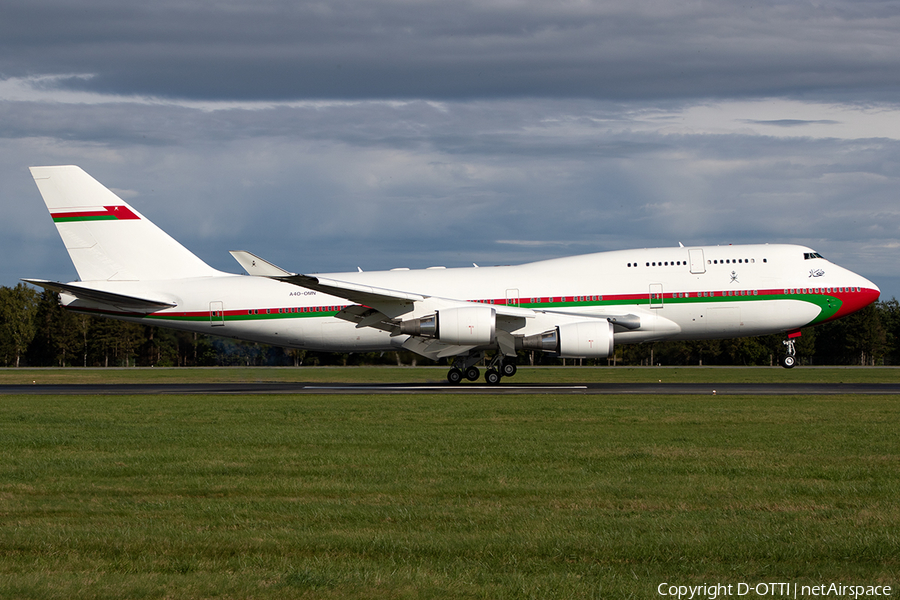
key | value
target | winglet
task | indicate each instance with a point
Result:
(257, 266)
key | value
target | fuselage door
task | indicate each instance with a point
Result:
(512, 297)
(217, 313)
(698, 265)
(656, 295)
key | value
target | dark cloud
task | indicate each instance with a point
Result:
(392, 49)
(380, 185)
(330, 135)
(791, 122)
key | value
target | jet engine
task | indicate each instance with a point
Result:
(582, 339)
(463, 326)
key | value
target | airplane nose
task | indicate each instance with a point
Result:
(857, 300)
(869, 293)
(872, 288)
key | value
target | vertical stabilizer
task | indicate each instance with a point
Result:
(106, 238)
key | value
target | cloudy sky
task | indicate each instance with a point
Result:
(331, 135)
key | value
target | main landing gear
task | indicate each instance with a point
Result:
(464, 366)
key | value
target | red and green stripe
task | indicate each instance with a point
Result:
(109, 213)
(832, 305)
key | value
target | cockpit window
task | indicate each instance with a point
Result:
(809, 255)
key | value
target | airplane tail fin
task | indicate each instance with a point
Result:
(107, 239)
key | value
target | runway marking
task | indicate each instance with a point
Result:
(443, 387)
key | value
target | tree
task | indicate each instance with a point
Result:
(104, 341)
(130, 339)
(18, 306)
(858, 339)
(866, 339)
(889, 312)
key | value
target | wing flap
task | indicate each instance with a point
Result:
(368, 317)
(433, 349)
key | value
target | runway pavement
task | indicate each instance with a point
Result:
(505, 387)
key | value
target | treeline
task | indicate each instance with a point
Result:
(36, 331)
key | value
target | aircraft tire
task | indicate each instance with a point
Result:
(788, 361)
(508, 369)
(454, 376)
(492, 377)
(472, 373)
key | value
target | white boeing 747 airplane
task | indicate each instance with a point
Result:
(575, 307)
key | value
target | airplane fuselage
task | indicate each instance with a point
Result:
(678, 293)
(579, 306)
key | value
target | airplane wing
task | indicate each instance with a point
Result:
(392, 303)
(389, 310)
(401, 302)
(381, 308)
(109, 298)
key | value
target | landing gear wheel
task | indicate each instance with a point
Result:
(454, 376)
(472, 373)
(492, 377)
(508, 369)
(790, 358)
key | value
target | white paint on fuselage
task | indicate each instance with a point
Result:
(624, 289)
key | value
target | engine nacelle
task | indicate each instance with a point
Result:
(586, 339)
(582, 339)
(463, 326)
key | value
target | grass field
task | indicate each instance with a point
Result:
(443, 496)
(438, 375)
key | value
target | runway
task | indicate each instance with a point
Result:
(751, 389)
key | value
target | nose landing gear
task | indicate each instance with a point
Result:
(790, 357)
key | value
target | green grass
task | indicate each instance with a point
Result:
(442, 496)
(438, 375)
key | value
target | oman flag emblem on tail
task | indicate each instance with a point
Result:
(107, 213)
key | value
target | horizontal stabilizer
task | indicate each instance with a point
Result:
(109, 298)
